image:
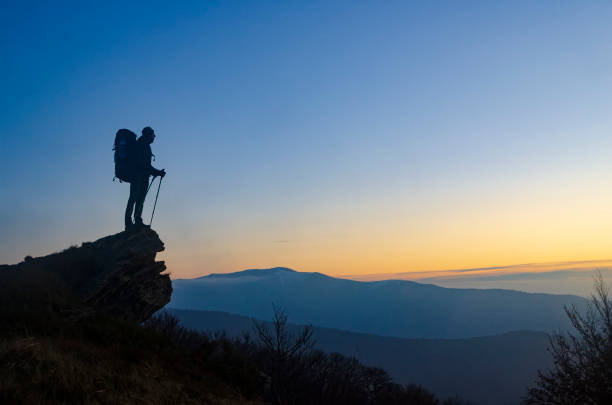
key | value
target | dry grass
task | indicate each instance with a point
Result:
(43, 370)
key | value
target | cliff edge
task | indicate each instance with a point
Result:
(117, 275)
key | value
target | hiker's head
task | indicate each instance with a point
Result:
(148, 134)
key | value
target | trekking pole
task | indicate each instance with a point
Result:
(157, 195)
(150, 184)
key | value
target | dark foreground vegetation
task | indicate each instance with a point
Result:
(101, 359)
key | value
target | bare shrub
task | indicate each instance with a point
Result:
(582, 371)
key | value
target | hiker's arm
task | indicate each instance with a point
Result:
(156, 172)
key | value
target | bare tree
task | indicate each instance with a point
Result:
(280, 340)
(582, 371)
(299, 375)
(286, 355)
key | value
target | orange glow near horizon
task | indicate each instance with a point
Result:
(441, 229)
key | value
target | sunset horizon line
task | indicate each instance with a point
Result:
(530, 267)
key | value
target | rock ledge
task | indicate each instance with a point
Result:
(116, 274)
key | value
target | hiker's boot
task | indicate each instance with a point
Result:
(129, 225)
(139, 224)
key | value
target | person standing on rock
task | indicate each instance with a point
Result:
(142, 170)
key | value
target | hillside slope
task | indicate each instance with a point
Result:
(485, 370)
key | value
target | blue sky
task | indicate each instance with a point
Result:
(341, 137)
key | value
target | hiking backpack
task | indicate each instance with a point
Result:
(125, 142)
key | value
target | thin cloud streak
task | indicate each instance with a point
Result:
(575, 277)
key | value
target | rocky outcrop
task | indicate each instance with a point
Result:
(117, 275)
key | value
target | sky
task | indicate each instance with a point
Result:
(345, 137)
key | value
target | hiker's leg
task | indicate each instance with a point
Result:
(130, 205)
(141, 194)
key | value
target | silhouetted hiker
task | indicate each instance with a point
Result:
(141, 169)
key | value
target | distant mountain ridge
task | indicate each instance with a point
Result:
(251, 272)
(390, 307)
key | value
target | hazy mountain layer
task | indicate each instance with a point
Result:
(392, 307)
